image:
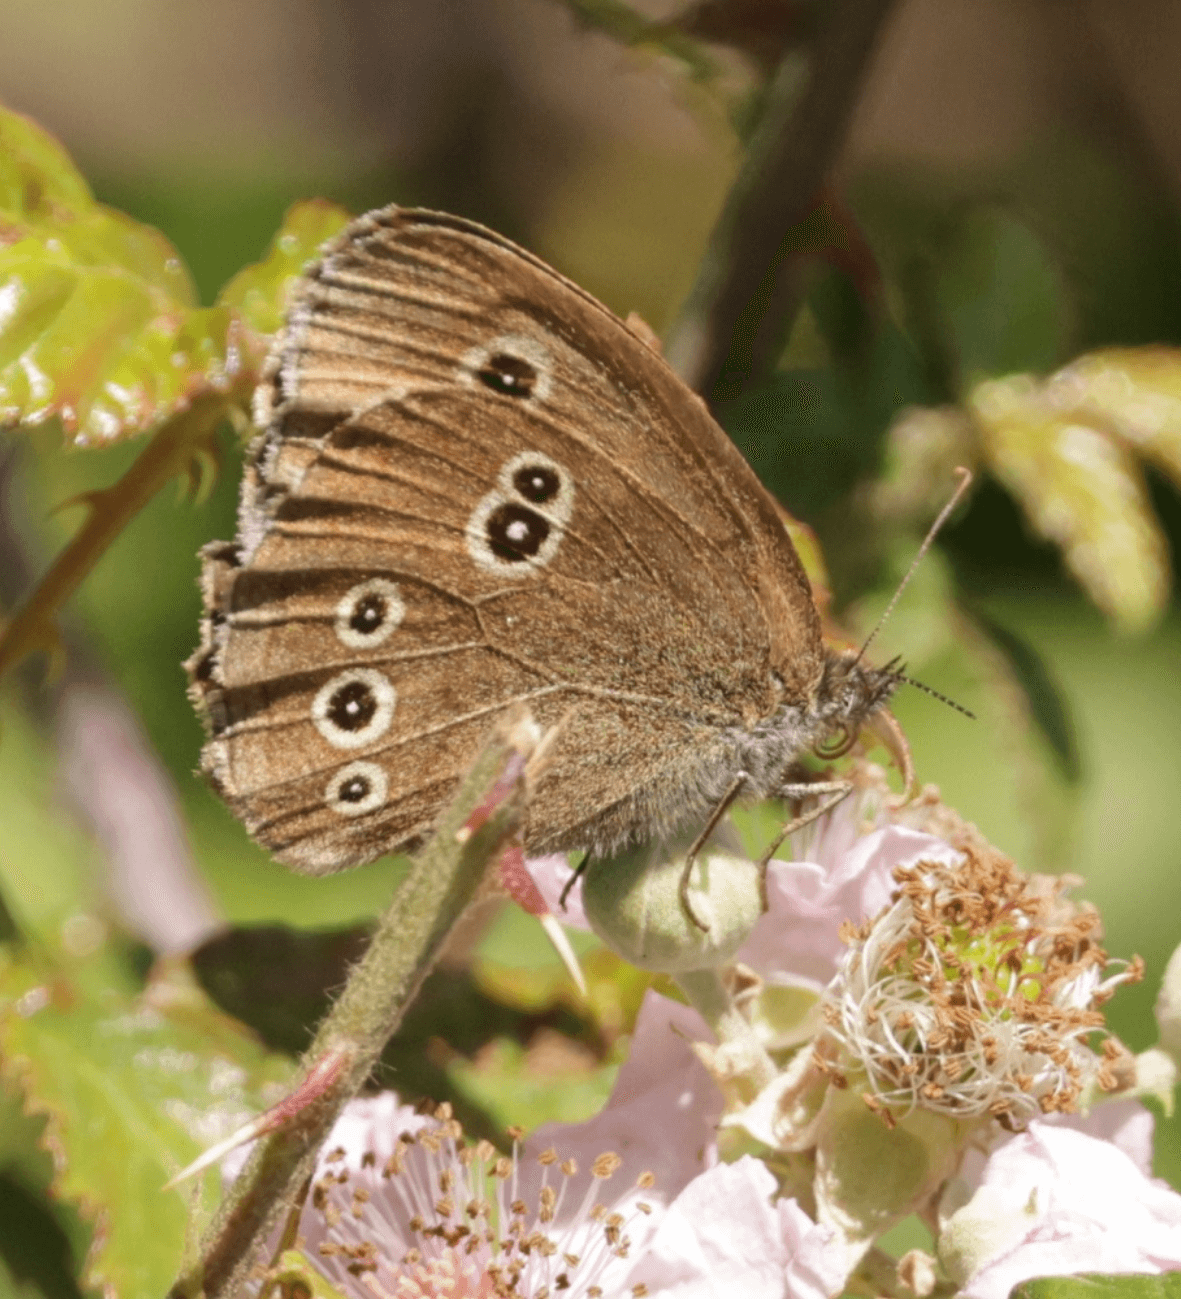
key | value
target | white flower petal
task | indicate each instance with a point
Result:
(1055, 1201)
(724, 1236)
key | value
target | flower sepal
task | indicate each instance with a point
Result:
(785, 1114)
(870, 1175)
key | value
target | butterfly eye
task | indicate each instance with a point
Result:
(511, 375)
(537, 483)
(836, 745)
(515, 532)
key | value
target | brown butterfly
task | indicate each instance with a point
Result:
(476, 487)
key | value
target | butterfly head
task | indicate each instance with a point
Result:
(850, 693)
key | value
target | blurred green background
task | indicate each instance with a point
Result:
(207, 121)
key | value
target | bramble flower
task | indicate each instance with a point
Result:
(436, 1217)
(907, 1002)
(401, 1206)
(975, 994)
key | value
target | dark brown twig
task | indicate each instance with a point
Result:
(744, 279)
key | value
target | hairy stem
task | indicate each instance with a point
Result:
(444, 878)
(747, 287)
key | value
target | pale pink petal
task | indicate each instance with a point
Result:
(551, 875)
(1054, 1201)
(662, 1115)
(1127, 1124)
(798, 941)
(367, 1132)
(370, 1125)
(724, 1235)
(816, 1266)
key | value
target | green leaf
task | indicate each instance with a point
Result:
(1001, 295)
(1095, 1285)
(1135, 392)
(507, 1083)
(133, 1088)
(99, 321)
(1048, 706)
(259, 292)
(38, 181)
(103, 346)
(131, 1084)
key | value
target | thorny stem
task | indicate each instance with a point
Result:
(743, 296)
(169, 453)
(444, 878)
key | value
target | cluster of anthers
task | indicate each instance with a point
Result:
(450, 1221)
(974, 993)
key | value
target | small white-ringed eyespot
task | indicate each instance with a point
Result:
(354, 708)
(512, 365)
(356, 789)
(369, 613)
(536, 480)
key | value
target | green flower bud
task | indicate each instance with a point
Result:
(633, 903)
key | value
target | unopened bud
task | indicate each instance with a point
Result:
(633, 902)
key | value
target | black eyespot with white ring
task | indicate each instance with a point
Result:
(369, 613)
(511, 365)
(354, 708)
(534, 479)
(356, 789)
(537, 483)
(518, 527)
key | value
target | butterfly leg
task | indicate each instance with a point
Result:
(838, 789)
(724, 805)
(579, 870)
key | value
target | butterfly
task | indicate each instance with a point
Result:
(475, 487)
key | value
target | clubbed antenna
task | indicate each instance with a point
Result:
(965, 476)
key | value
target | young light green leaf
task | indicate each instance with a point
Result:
(259, 292)
(38, 181)
(1080, 489)
(99, 321)
(133, 1088)
(1133, 391)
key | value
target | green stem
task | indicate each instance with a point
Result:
(710, 997)
(444, 878)
(746, 276)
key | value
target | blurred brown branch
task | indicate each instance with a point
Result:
(745, 294)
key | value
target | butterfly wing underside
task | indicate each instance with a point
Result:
(475, 486)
